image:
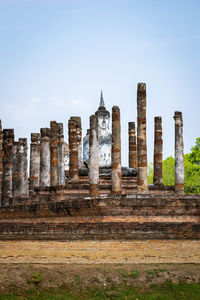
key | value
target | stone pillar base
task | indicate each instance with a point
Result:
(75, 179)
(179, 188)
(94, 190)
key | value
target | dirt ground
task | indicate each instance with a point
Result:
(56, 275)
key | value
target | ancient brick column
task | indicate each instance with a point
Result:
(45, 157)
(54, 152)
(132, 146)
(20, 168)
(1, 162)
(116, 151)
(73, 151)
(141, 139)
(158, 151)
(179, 153)
(34, 180)
(8, 140)
(79, 139)
(14, 170)
(94, 157)
(61, 155)
(25, 165)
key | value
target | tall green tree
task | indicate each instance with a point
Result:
(194, 155)
(192, 170)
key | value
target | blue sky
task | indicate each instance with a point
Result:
(56, 56)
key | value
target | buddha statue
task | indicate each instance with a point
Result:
(104, 137)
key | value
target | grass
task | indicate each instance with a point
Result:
(36, 279)
(155, 272)
(77, 279)
(134, 273)
(166, 291)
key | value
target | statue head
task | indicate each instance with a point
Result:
(103, 115)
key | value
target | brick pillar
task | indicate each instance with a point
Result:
(8, 140)
(73, 151)
(25, 166)
(34, 180)
(54, 152)
(1, 162)
(20, 169)
(79, 139)
(141, 139)
(132, 146)
(14, 170)
(94, 157)
(158, 151)
(179, 153)
(116, 151)
(61, 155)
(45, 157)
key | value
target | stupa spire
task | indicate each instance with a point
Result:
(101, 104)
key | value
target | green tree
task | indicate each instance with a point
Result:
(192, 176)
(192, 170)
(150, 173)
(194, 156)
(169, 171)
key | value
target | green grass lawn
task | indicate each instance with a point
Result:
(166, 291)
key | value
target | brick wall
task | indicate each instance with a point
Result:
(130, 217)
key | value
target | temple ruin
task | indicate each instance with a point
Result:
(81, 191)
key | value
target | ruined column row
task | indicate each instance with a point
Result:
(47, 165)
(46, 162)
(179, 152)
(137, 150)
(48, 156)
(13, 167)
(138, 154)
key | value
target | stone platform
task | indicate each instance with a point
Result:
(68, 214)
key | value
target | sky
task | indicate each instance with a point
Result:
(57, 55)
